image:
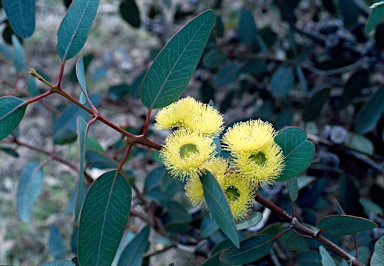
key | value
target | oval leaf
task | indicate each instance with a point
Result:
(250, 250)
(130, 13)
(58, 263)
(293, 188)
(247, 27)
(134, 251)
(11, 113)
(18, 54)
(55, 242)
(341, 225)
(173, 67)
(103, 219)
(30, 186)
(21, 16)
(252, 219)
(315, 104)
(375, 16)
(80, 74)
(219, 207)
(297, 150)
(75, 26)
(280, 89)
(326, 259)
(378, 254)
(291, 240)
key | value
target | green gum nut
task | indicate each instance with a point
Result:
(187, 150)
(232, 193)
(259, 158)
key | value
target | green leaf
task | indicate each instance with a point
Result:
(359, 143)
(103, 219)
(302, 80)
(80, 74)
(358, 81)
(166, 181)
(21, 16)
(11, 113)
(250, 250)
(370, 207)
(219, 207)
(75, 27)
(315, 105)
(341, 225)
(291, 240)
(6, 51)
(297, 150)
(375, 16)
(176, 212)
(326, 259)
(247, 27)
(82, 128)
(308, 258)
(18, 54)
(9, 151)
(214, 58)
(251, 220)
(177, 227)
(208, 226)
(58, 263)
(371, 112)
(174, 65)
(378, 254)
(280, 89)
(29, 189)
(32, 86)
(130, 13)
(117, 92)
(228, 74)
(99, 160)
(349, 11)
(216, 251)
(293, 188)
(55, 242)
(134, 251)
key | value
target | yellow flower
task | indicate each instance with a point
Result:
(248, 136)
(239, 192)
(194, 190)
(185, 152)
(191, 114)
(262, 166)
(217, 167)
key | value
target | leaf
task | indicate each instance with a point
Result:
(176, 212)
(297, 150)
(360, 143)
(308, 258)
(302, 80)
(55, 242)
(58, 263)
(6, 51)
(250, 250)
(32, 86)
(251, 220)
(29, 189)
(103, 219)
(11, 113)
(75, 27)
(358, 81)
(315, 105)
(291, 240)
(349, 11)
(228, 74)
(280, 89)
(293, 188)
(326, 259)
(82, 128)
(378, 254)
(166, 181)
(97, 159)
(216, 251)
(172, 69)
(341, 225)
(9, 151)
(117, 92)
(134, 251)
(208, 226)
(21, 16)
(130, 12)
(18, 54)
(247, 27)
(375, 16)
(214, 58)
(370, 207)
(219, 207)
(80, 74)
(370, 113)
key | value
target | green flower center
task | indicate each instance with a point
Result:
(258, 158)
(187, 150)
(232, 193)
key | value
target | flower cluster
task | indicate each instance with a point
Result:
(255, 159)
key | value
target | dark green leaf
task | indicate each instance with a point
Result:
(315, 105)
(280, 89)
(177, 227)
(6, 51)
(18, 54)
(219, 207)
(136, 84)
(293, 188)
(228, 74)
(58, 263)
(250, 250)
(103, 219)
(11, 113)
(247, 27)
(214, 58)
(87, 59)
(370, 207)
(375, 16)
(251, 220)
(378, 254)
(173, 67)
(326, 259)
(9, 151)
(358, 81)
(308, 258)
(166, 181)
(176, 212)
(359, 143)
(134, 251)
(130, 13)
(302, 80)
(97, 159)
(55, 242)
(216, 251)
(341, 225)
(32, 86)
(349, 11)
(75, 26)
(117, 92)
(208, 226)
(297, 150)
(370, 114)
(219, 27)
(21, 16)
(293, 241)
(80, 73)
(29, 189)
